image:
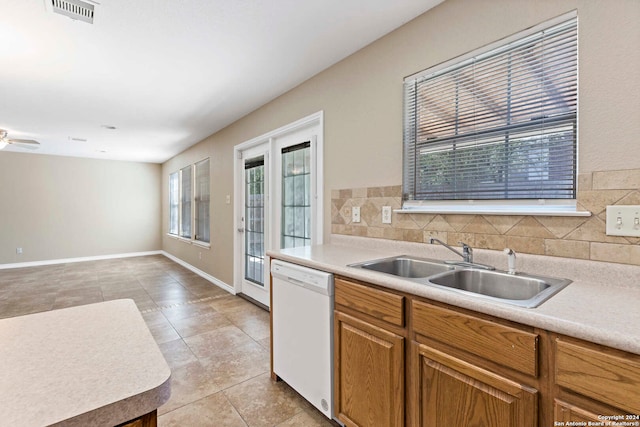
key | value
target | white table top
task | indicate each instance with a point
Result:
(90, 365)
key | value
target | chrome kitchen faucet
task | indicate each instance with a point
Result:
(467, 252)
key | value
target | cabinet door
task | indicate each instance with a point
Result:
(604, 375)
(368, 374)
(452, 392)
(565, 412)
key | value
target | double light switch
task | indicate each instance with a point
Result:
(623, 220)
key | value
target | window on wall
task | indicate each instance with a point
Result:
(202, 201)
(174, 202)
(186, 196)
(497, 125)
(189, 202)
(296, 195)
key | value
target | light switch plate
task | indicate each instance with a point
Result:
(355, 214)
(623, 220)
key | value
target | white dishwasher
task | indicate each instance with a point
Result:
(302, 314)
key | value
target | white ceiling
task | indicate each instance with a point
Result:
(167, 74)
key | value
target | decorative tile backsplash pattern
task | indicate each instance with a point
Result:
(571, 237)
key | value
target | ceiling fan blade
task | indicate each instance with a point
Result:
(25, 143)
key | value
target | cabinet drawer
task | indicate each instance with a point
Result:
(501, 344)
(374, 302)
(610, 378)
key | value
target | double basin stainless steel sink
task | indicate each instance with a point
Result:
(520, 289)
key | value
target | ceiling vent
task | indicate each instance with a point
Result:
(74, 9)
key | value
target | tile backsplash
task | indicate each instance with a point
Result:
(571, 237)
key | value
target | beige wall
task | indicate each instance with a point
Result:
(63, 207)
(362, 101)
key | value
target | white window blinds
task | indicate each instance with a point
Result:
(189, 197)
(202, 201)
(185, 199)
(174, 202)
(497, 125)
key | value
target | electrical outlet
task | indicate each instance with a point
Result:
(386, 214)
(19, 251)
(355, 214)
(623, 220)
(199, 255)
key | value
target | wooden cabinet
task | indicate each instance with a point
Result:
(452, 385)
(593, 381)
(369, 364)
(402, 360)
(564, 412)
(369, 374)
(452, 392)
(147, 420)
(506, 345)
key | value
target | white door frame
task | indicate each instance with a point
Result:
(314, 121)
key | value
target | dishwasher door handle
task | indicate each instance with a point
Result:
(295, 281)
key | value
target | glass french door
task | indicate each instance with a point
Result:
(254, 221)
(278, 200)
(296, 196)
(254, 225)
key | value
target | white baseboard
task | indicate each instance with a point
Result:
(201, 273)
(81, 259)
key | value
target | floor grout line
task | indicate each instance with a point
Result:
(178, 304)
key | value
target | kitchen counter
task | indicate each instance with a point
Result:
(91, 365)
(602, 304)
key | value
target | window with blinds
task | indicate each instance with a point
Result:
(185, 202)
(497, 124)
(202, 201)
(174, 202)
(189, 194)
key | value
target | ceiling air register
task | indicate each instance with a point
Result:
(74, 9)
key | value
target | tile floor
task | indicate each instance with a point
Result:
(216, 344)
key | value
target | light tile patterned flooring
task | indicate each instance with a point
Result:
(216, 344)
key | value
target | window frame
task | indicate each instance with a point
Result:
(194, 203)
(503, 206)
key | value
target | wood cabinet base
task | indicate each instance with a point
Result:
(147, 420)
(452, 392)
(368, 374)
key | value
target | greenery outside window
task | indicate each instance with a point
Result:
(497, 128)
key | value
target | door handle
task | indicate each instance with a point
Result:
(241, 230)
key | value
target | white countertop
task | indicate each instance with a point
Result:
(602, 304)
(91, 365)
